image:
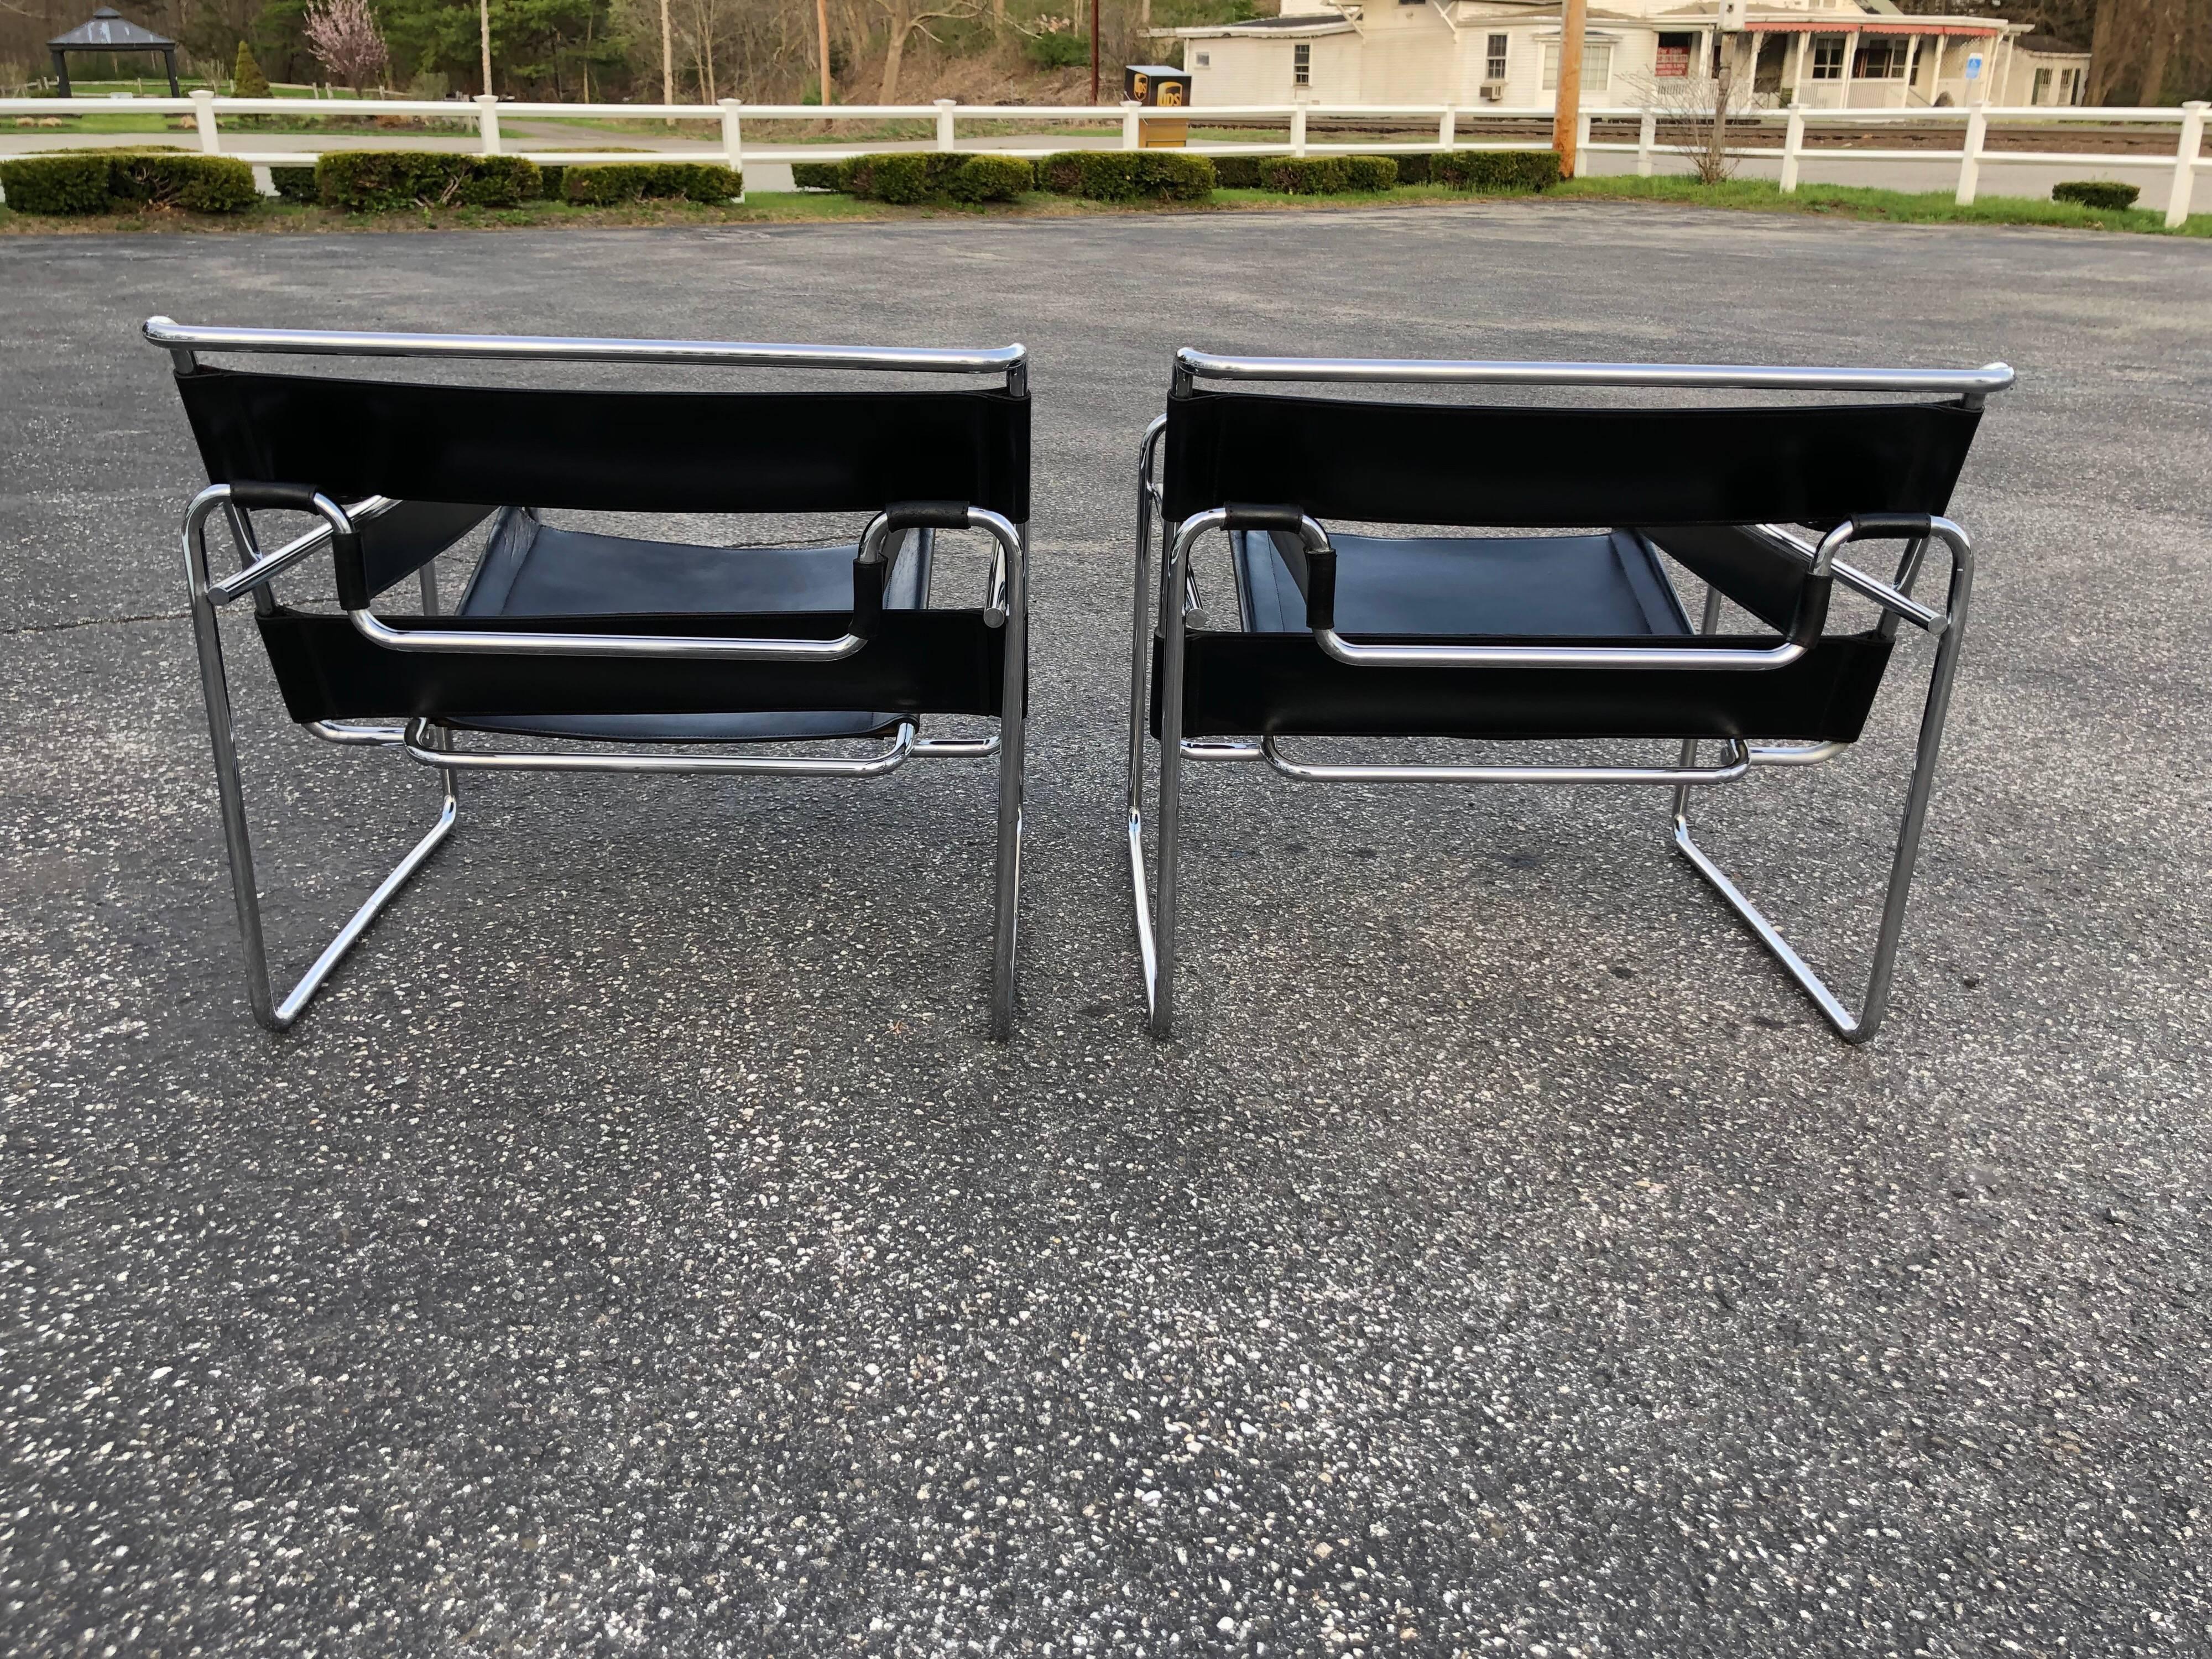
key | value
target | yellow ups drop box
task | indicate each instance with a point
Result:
(1158, 86)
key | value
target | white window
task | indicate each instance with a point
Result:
(1674, 53)
(1597, 66)
(1881, 58)
(1493, 61)
(1302, 64)
(2042, 93)
(1828, 58)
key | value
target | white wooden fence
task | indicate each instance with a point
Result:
(2183, 162)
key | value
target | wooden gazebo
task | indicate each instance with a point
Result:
(109, 30)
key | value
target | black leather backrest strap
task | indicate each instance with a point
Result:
(1441, 464)
(615, 451)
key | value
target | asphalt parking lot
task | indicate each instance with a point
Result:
(641, 1248)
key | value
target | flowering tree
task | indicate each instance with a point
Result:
(345, 40)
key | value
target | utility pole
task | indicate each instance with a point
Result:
(484, 30)
(1724, 39)
(668, 60)
(822, 31)
(1567, 101)
(1094, 50)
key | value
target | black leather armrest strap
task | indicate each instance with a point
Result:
(1865, 525)
(1314, 569)
(871, 567)
(346, 549)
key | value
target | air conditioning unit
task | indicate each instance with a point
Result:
(1493, 92)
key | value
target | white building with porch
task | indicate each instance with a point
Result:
(1818, 54)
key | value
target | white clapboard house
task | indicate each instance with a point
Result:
(1818, 54)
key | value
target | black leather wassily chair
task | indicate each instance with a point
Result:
(610, 645)
(1541, 637)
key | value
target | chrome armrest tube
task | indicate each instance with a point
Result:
(173, 336)
(266, 568)
(1192, 364)
(1890, 596)
(483, 642)
(676, 646)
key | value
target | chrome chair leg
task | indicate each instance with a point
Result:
(1155, 961)
(1013, 729)
(1875, 1006)
(215, 688)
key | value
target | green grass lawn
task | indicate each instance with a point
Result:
(1894, 206)
(1833, 201)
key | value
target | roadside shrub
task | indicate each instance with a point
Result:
(197, 184)
(1372, 172)
(1128, 175)
(902, 178)
(293, 183)
(1496, 169)
(991, 179)
(98, 181)
(58, 183)
(380, 180)
(818, 175)
(1307, 175)
(1413, 169)
(2095, 193)
(550, 177)
(603, 185)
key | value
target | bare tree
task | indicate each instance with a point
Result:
(344, 37)
(1693, 111)
(903, 20)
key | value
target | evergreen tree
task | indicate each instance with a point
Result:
(246, 80)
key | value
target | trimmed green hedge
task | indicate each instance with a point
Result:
(1307, 175)
(293, 183)
(604, 184)
(1495, 169)
(550, 177)
(907, 177)
(380, 180)
(58, 183)
(1372, 172)
(1481, 169)
(197, 184)
(902, 178)
(2095, 193)
(1128, 175)
(1242, 172)
(98, 181)
(991, 179)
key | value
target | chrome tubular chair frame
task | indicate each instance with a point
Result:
(431, 743)
(1161, 618)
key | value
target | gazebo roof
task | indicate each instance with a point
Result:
(109, 30)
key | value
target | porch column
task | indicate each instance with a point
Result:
(1936, 68)
(1850, 65)
(1797, 78)
(1912, 67)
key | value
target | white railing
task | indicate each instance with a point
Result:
(2183, 160)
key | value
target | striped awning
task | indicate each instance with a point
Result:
(1875, 26)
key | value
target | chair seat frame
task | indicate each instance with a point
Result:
(1162, 618)
(433, 744)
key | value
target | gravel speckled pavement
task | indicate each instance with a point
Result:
(640, 1249)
